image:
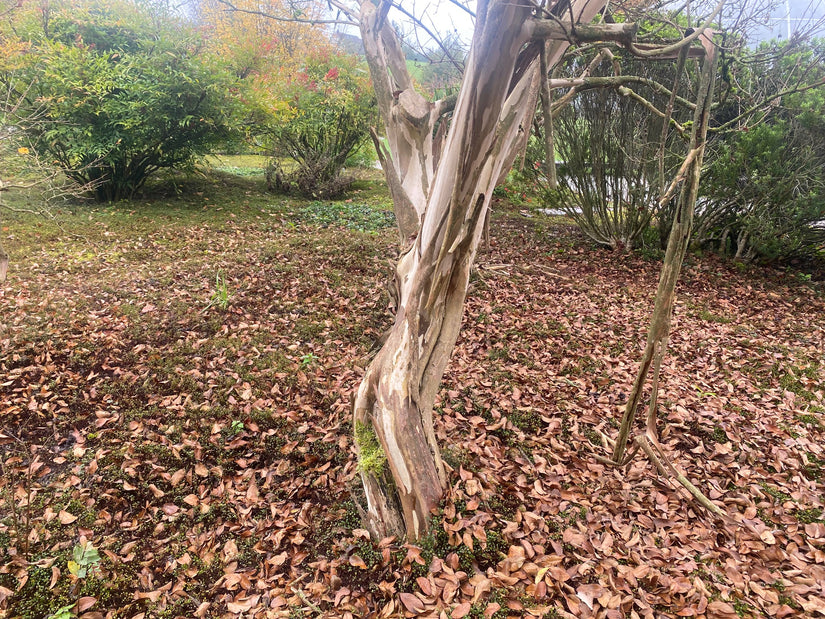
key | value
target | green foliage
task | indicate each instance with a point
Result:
(324, 118)
(350, 215)
(362, 157)
(85, 559)
(112, 98)
(35, 599)
(64, 612)
(610, 145)
(220, 298)
(763, 194)
(809, 515)
(371, 458)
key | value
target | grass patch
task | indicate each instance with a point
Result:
(708, 316)
(351, 215)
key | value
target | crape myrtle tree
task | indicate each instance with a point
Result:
(441, 180)
(679, 197)
(514, 47)
(442, 159)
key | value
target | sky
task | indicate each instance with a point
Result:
(443, 17)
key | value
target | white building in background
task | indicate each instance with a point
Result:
(790, 17)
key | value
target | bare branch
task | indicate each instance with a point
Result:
(584, 83)
(703, 31)
(629, 92)
(583, 33)
(438, 40)
(297, 20)
(464, 8)
(763, 104)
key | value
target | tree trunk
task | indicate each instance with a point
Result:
(409, 156)
(659, 330)
(547, 114)
(4, 263)
(395, 399)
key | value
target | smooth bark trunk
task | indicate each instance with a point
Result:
(547, 117)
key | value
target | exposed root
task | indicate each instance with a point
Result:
(654, 452)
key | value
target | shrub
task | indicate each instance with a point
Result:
(324, 118)
(112, 98)
(763, 193)
(609, 143)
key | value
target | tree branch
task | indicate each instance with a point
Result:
(584, 83)
(583, 33)
(761, 105)
(431, 34)
(297, 20)
(673, 48)
(628, 92)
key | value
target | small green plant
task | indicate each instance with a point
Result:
(237, 427)
(719, 435)
(220, 298)
(774, 493)
(813, 469)
(308, 360)
(350, 215)
(810, 420)
(64, 612)
(711, 317)
(809, 515)
(371, 458)
(704, 394)
(85, 560)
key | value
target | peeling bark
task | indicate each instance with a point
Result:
(408, 159)
(492, 113)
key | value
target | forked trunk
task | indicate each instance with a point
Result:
(659, 329)
(408, 157)
(405, 480)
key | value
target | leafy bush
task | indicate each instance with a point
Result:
(112, 98)
(324, 118)
(609, 143)
(763, 194)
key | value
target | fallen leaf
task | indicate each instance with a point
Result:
(411, 602)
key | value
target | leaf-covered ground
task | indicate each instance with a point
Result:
(175, 384)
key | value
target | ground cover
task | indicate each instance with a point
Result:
(175, 382)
